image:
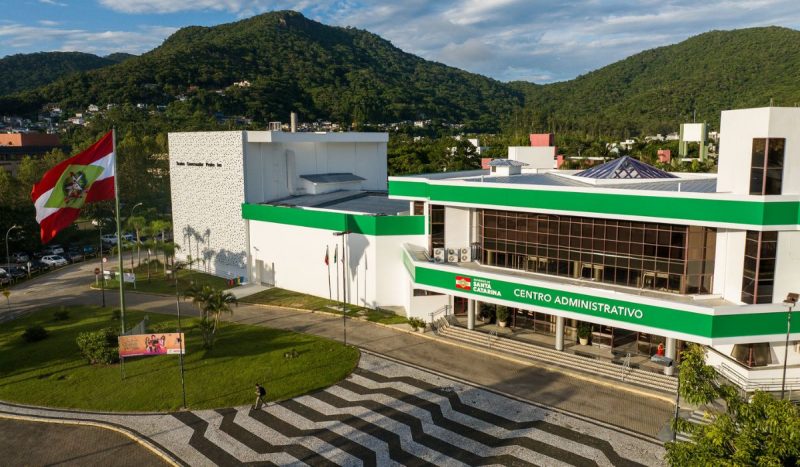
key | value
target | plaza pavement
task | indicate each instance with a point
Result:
(530, 383)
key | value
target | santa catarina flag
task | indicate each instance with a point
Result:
(64, 189)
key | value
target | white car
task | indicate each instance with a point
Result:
(111, 239)
(54, 250)
(54, 261)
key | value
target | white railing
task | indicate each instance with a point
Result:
(442, 314)
(492, 334)
(753, 384)
(626, 366)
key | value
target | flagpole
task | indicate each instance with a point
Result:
(328, 265)
(119, 235)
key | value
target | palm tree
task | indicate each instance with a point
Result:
(161, 226)
(137, 223)
(211, 303)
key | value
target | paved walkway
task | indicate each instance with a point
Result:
(385, 413)
(616, 404)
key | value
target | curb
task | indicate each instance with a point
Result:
(166, 457)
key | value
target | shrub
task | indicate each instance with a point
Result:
(502, 314)
(416, 323)
(116, 315)
(61, 315)
(34, 334)
(584, 330)
(99, 346)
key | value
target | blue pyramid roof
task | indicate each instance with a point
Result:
(624, 167)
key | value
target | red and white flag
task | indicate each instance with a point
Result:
(85, 178)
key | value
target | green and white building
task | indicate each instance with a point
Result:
(644, 256)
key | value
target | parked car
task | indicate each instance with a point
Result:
(20, 257)
(75, 254)
(4, 279)
(88, 250)
(54, 261)
(17, 272)
(53, 250)
(36, 266)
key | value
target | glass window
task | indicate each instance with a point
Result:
(766, 166)
(758, 275)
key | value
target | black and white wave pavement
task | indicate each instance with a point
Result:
(388, 413)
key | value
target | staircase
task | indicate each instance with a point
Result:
(604, 369)
(698, 418)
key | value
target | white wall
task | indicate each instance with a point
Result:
(787, 266)
(457, 230)
(537, 157)
(729, 264)
(293, 259)
(206, 199)
(268, 164)
(737, 130)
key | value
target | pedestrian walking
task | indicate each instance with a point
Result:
(260, 393)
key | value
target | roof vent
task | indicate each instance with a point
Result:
(625, 167)
(505, 167)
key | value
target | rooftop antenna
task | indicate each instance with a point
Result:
(694, 116)
(770, 102)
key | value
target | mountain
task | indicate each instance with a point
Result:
(655, 90)
(292, 63)
(349, 75)
(27, 71)
(119, 57)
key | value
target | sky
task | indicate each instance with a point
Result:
(532, 40)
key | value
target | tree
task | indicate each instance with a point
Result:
(759, 431)
(211, 303)
(137, 223)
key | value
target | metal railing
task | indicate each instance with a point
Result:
(492, 333)
(626, 366)
(753, 384)
(439, 318)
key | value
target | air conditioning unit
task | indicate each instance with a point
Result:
(452, 258)
(439, 255)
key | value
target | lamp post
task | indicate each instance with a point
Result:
(8, 256)
(178, 307)
(790, 302)
(137, 234)
(343, 234)
(99, 224)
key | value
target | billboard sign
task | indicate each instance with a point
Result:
(139, 345)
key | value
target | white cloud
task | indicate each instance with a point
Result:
(36, 38)
(52, 2)
(46, 22)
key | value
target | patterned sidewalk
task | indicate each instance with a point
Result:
(385, 413)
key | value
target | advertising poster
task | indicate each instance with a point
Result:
(139, 345)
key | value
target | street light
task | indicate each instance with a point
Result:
(99, 224)
(8, 256)
(137, 236)
(343, 234)
(790, 302)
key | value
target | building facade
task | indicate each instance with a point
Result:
(647, 260)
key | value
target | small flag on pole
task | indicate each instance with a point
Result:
(85, 178)
(327, 262)
(336, 254)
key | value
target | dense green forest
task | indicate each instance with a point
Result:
(28, 71)
(351, 76)
(292, 63)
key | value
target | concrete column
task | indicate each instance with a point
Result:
(669, 352)
(470, 314)
(559, 333)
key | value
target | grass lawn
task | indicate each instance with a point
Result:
(157, 283)
(288, 298)
(52, 372)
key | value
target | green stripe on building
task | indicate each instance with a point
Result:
(335, 221)
(656, 317)
(757, 213)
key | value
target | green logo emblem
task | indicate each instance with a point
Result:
(70, 190)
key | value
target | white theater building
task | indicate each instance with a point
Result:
(648, 259)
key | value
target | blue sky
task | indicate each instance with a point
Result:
(534, 40)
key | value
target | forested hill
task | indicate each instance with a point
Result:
(28, 71)
(657, 89)
(292, 63)
(350, 75)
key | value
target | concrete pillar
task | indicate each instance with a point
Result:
(669, 352)
(470, 314)
(559, 333)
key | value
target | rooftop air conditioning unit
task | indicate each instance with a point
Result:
(464, 253)
(439, 255)
(452, 255)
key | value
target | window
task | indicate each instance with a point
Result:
(666, 257)
(436, 224)
(419, 208)
(760, 251)
(766, 166)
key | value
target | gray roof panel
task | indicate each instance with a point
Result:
(332, 178)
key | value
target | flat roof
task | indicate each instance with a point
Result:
(355, 201)
(703, 184)
(315, 137)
